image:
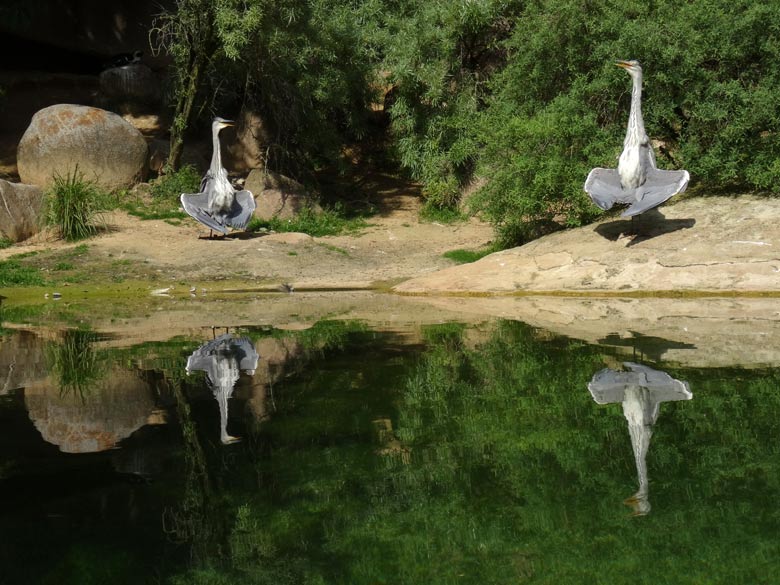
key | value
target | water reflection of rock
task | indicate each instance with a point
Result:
(223, 359)
(641, 390)
(707, 332)
(114, 408)
(22, 360)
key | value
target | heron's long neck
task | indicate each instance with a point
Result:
(636, 127)
(216, 156)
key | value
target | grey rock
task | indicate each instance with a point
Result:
(66, 137)
(20, 210)
(277, 195)
(135, 83)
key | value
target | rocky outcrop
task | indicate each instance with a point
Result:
(703, 244)
(64, 138)
(20, 209)
(245, 149)
(135, 83)
(277, 195)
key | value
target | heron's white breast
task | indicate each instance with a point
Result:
(223, 195)
(632, 174)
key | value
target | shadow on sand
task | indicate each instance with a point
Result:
(643, 227)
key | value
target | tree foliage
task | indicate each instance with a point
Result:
(521, 94)
(545, 104)
(305, 67)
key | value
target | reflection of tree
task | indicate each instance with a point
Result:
(512, 473)
(641, 390)
(195, 520)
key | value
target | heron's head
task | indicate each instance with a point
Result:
(220, 123)
(632, 67)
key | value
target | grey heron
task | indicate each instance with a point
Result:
(637, 182)
(223, 359)
(218, 206)
(641, 390)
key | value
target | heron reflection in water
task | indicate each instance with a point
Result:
(641, 390)
(218, 206)
(223, 359)
(637, 182)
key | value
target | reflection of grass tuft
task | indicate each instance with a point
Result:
(75, 363)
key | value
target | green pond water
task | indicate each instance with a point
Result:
(349, 454)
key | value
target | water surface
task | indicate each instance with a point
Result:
(346, 452)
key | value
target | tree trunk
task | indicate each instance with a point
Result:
(185, 100)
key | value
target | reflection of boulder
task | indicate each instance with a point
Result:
(641, 390)
(63, 138)
(222, 359)
(114, 408)
(22, 360)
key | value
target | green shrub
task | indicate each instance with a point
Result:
(74, 206)
(527, 96)
(171, 185)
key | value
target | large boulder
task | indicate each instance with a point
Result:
(277, 195)
(66, 137)
(20, 209)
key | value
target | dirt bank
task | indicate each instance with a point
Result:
(395, 246)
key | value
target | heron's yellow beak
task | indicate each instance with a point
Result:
(228, 123)
(623, 64)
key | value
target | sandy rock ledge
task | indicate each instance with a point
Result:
(712, 244)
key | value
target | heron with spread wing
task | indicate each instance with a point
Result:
(218, 206)
(637, 182)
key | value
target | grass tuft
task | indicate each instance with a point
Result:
(462, 256)
(329, 222)
(14, 274)
(433, 213)
(74, 206)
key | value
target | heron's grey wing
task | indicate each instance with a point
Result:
(205, 181)
(242, 210)
(603, 186)
(609, 385)
(205, 357)
(196, 206)
(250, 356)
(664, 388)
(660, 186)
